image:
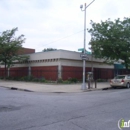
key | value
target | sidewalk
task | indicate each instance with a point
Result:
(55, 88)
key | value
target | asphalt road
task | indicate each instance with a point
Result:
(96, 110)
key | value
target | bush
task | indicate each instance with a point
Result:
(35, 80)
(11, 78)
(73, 80)
(21, 79)
(101, 80)
(30, 78)
(60, 80)
(16, 78)
(1, 77)
(26, 78)
(42, 80)
(66, 82)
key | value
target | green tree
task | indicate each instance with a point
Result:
(9, 48)
(111, 40)
(49, 49)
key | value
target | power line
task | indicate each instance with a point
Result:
(63, 38)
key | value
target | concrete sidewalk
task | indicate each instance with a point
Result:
(41, 87)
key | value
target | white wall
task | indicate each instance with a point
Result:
(88, 64)
(60, 58)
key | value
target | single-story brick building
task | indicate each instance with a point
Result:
(53, 65)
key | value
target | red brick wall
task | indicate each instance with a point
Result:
(26, 51)
(15, 72)
(48, 72)
(102, 73)
(77, 72)
(51, 72)
(73, 72)
(19, 72)
(2, 72)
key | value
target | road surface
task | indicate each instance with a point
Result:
(95, 110)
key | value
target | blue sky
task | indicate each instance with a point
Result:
(57, 23)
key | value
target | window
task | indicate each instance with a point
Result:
(120, 77)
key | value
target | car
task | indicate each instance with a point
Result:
(120, 81)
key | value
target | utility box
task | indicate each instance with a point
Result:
(89, 75)
(90, 79)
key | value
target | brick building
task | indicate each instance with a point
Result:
(64, 64)
(26, 51)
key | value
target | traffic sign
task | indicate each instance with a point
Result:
(87, 52)
(84, 56)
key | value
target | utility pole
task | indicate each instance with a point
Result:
(83, 87)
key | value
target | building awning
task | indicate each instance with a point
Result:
(119, 66)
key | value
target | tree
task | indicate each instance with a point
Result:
(9, 47)
(111, 40)
(49, 49)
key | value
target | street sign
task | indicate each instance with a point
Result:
(84, 56)
(87, 52)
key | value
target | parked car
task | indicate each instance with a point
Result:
(121, 81)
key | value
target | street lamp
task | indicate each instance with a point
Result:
(83, 87)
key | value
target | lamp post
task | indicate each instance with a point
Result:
(83, 87)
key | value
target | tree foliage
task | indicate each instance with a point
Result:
(9, 47)
(111, 40)
(49, 49)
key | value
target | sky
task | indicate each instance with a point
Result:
(57, 24)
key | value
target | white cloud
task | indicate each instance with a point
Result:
(46, 23)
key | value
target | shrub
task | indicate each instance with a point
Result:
(73, 80)
(66, 82)
(1, 77)
(60, 80)
(35, 80)
(42, 79)
(10, 78)
(15, 78)
(21, 79)
(26, 78)
(101, 80)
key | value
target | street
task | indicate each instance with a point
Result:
(95, 110)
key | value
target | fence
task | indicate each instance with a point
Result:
(121, 71)
(98, 73)
(51, 73)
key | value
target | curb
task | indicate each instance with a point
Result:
(13, 88)
(87, 90)
(96, 89)
(108, 88)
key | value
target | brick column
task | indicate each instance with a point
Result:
(59, 70)
(29, 71)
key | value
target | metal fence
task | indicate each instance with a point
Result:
(98, 73)
(47, 74)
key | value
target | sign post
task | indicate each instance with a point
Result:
(84, 56)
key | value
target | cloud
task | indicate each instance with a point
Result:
(51, 23)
